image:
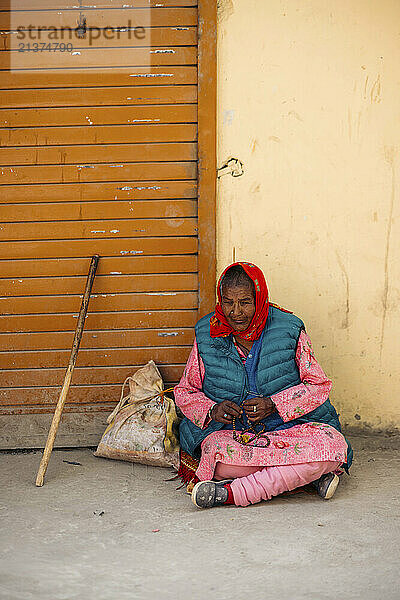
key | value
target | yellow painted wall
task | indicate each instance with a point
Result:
(309, 100)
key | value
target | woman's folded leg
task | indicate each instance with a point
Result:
(223, 471)
(271, 481)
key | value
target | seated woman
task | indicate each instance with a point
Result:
(258, 420)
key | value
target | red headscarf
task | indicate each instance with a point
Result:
(219, 326)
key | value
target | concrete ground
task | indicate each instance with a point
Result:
(107, 530)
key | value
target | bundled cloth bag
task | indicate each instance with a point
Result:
(143, 427)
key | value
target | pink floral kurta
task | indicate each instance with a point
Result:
(299, 444)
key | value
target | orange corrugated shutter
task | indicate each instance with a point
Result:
(98, 156)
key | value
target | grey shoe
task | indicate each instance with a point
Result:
(206, 494)
(326, 485)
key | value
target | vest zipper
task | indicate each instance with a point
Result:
(246, 379)
(226, 348)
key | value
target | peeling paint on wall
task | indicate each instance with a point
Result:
(161, 51)
(225, 9)
(167, 333)
(148, 187)
(151, 75)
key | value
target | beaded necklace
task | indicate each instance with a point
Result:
(244, 437)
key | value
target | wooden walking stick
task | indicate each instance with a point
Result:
(68, 375)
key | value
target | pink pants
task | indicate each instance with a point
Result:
(252, 484)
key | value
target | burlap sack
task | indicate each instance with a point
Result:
(143, 427)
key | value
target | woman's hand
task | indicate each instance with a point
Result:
(225, 411)
(257, 409)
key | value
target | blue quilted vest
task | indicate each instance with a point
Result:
(226, 377)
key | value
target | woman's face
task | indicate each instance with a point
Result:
(238, 306)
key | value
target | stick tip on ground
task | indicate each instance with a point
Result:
(39, 480)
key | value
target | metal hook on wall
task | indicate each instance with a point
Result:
(232, 166)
